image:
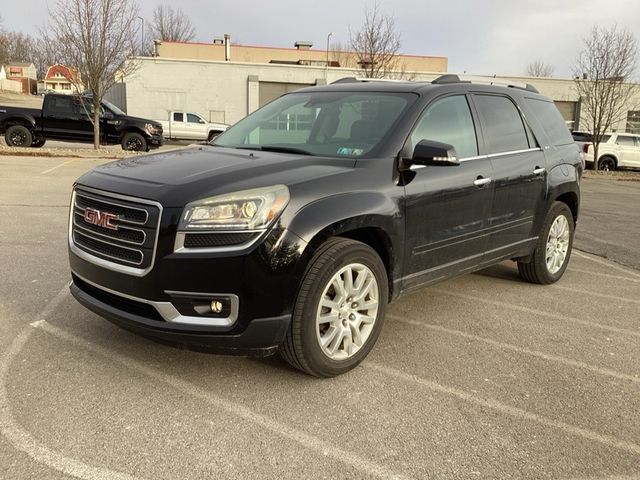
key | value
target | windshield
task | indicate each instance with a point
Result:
(336, 124)
(113, 108)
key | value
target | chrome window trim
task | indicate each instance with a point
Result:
(136, 272)
(501, 154)
(171, 314)
(178, 246)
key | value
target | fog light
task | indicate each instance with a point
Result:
(216, 306)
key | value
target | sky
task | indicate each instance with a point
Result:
(479, 37)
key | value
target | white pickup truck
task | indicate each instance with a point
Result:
(190, 126)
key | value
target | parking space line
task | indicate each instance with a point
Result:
(606, 275)
(534, 311)
(606, 440)
(608, 264)
(21, 439)
(315, 444)
(595, 294)
(58, 166)
(514, 348)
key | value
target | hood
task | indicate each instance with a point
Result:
(141, 120)
(180, 176)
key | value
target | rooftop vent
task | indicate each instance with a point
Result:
(218, 40)
(301, 45)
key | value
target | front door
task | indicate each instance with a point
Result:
(447, 207)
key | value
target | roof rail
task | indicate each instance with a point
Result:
(451, 78)
(365, 79)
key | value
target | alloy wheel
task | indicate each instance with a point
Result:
(557, 244)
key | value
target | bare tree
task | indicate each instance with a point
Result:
(171, 25)
(98, 37)
(376, 45)
(602, 73)
(538, 68)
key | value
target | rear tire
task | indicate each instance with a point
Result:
(607, 164)
(326, 341)
(18, 136)
(134, 142)
(553, 249)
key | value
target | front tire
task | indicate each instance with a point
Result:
(553, 249)
(134, 142)
(18, 136)
(339, 310)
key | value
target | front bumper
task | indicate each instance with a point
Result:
(260, 337)
(155, 141)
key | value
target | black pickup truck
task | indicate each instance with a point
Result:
(66, 117)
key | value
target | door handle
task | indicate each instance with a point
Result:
(538, 170)
(481, 182)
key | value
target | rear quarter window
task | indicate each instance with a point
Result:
(551, 121)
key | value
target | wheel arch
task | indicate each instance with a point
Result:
(132, 129)
(24, 120)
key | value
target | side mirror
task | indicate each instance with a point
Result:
(429, 152)
(201, 121)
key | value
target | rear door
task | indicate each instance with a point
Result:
(447, 207)
(178, 125)
(519, 173)
(629, 150)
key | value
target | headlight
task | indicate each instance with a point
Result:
(153, 129)
(245, 210)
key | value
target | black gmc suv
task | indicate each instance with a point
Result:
(66, 118)
(297, 226)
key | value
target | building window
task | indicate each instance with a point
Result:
(633, 121)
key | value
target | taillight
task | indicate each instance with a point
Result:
(585, 148)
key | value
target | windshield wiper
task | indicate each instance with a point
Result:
(275, 148)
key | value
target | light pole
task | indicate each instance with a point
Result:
(142, 41)
(326, 74)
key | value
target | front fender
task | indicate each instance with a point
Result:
(350, 212)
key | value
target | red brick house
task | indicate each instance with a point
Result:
(62, 79)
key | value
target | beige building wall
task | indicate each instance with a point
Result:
(255, 54)
(228, 91)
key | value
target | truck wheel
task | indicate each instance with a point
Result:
(18, 136)
(213, 135)
(134, 142)
(553, 249)
(38, 143)
(607, 164)
(339, 311)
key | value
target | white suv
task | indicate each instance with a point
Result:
(616, 150)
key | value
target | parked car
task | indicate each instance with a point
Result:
(66, 117)
(297, 226)
(190, 126)
(616, 150)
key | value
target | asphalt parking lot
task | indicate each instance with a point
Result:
(480, 377)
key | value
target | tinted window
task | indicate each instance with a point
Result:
(502, 124)
(625, 141)
(551, 121)
(62, 105)
(449, 121)
(178, 117)
(191, 118)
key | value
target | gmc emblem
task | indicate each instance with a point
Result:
(102, 219)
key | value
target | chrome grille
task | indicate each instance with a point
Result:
(115, 231)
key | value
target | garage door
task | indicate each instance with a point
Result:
(271, 90)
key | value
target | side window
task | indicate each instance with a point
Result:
(62, 105)
(625, 141)
(502, 124)
(191, 118)
(551, 121)
(449, 121)
(178, 117)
